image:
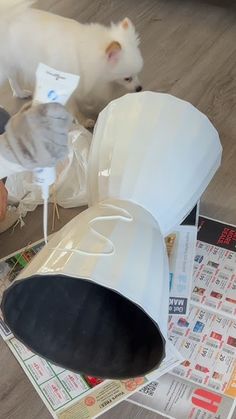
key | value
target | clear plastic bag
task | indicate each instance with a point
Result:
(70, 189)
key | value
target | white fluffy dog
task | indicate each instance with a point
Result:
(104, 57)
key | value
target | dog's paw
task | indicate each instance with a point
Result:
(89, 123)
(23, 94)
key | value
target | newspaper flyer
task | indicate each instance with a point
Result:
(206, 338)
(207, 341)
(214, 280)
(68, 395)
(181, 251)
(176, 398)
(181, 268)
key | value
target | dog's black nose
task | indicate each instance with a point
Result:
(139, 88)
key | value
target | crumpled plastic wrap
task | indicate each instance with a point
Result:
(70, 189)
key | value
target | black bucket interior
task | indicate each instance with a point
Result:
(83, 326)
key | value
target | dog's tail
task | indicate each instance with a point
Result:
(11, 8)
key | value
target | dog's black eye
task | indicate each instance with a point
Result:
(129, 79)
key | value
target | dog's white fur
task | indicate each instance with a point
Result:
(103, 56)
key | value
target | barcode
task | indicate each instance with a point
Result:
(177, 332)
(196, 379)
(149, 389)
(227, 309)
(212, 344)
(223, 276)
(194, 338)
(178, 372)
(209, 304)
(194, 298)
(208, 271)
(229, 268)
(214, 386)
(228, 351)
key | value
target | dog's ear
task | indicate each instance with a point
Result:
(113, 51)
(126, 23)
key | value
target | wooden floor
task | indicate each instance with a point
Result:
(189, 50)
